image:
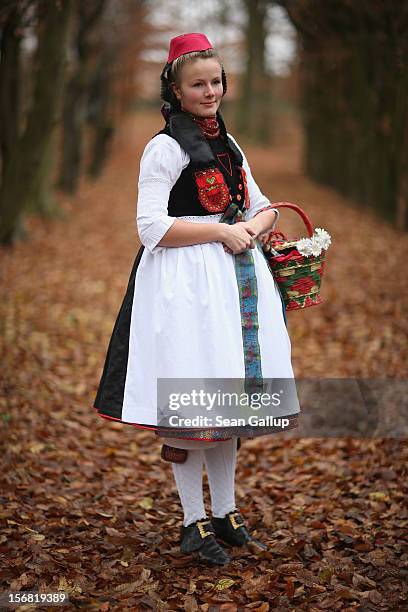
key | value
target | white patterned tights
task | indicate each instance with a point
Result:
(220, 462)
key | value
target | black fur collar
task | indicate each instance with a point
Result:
(189, 136)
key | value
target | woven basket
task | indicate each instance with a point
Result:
(299, 277)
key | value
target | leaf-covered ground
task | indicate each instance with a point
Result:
(87, 505)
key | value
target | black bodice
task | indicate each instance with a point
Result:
(184, 200)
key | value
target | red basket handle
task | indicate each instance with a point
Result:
(303, 215)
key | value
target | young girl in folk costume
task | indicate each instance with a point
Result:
(201, 301)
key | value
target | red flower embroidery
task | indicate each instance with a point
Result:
(213, 191)
(303, 285)
(246, 192)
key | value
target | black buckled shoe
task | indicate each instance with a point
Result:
(232, 530)
(198, 538)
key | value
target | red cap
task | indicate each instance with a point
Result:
(185, 43)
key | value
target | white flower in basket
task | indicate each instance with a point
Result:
(304, 246)
(324, 237)
(320, 240)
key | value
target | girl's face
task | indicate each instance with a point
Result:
(200, 84)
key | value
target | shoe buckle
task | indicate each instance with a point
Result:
(234, 522)
(201, 529)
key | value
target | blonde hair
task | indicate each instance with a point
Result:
(179, 62)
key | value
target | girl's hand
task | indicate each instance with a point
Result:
(257, 227)
(238, 238)
(253, 228)
(262, 225)
(266, 237)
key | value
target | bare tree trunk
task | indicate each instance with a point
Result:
(253, 116)
(41, 199)
(21, 173)
(100, 115)
(9, 85)
(75, 103)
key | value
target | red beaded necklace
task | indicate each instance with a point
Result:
(209, 126)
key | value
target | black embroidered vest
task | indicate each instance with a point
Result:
(214, 176)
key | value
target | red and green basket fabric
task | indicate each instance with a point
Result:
(299, 277)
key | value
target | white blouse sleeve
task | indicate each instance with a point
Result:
(257, 199)
(160, 166)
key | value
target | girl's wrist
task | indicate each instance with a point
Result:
(265, 220)
(222, 229)
(256, 225)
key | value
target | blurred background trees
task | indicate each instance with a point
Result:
(64, 81)
(70, 71)
(28, 118)
(354, 98)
